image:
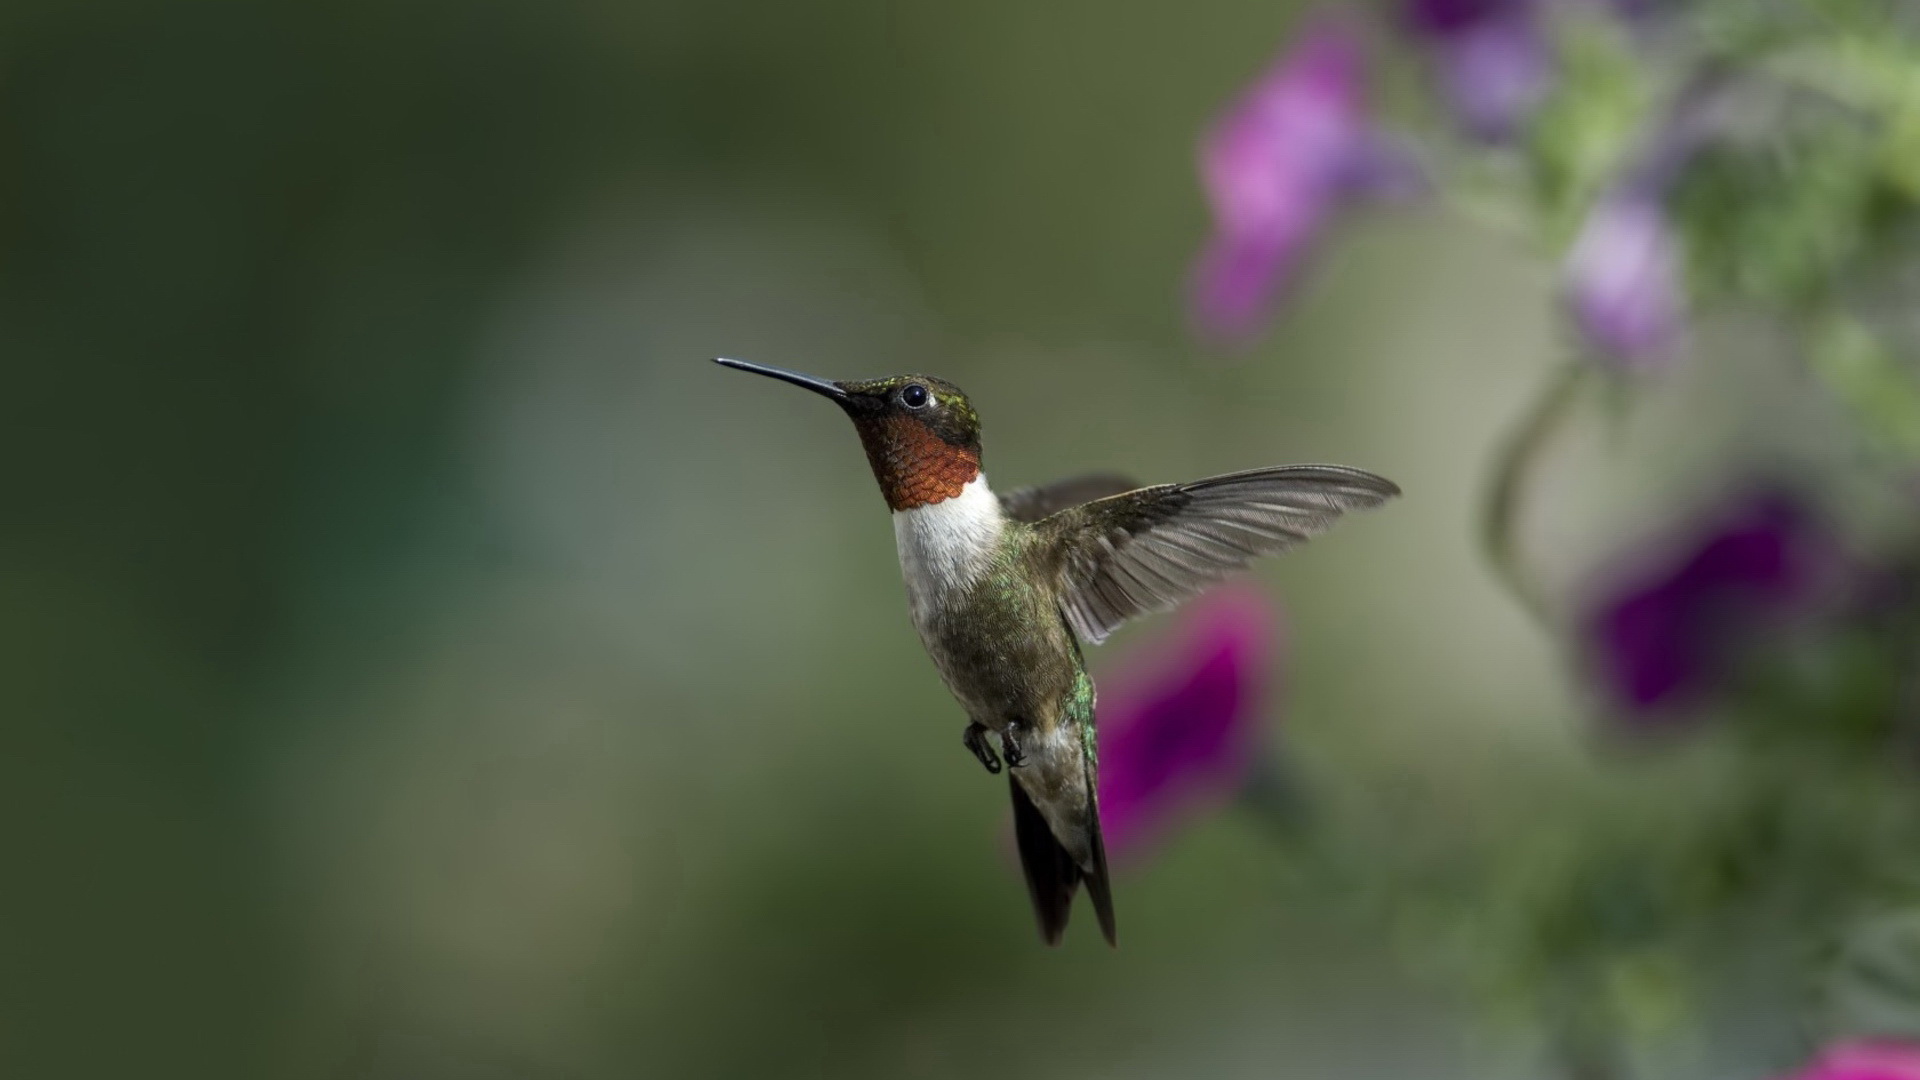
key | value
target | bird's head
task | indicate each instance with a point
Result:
(921, 434)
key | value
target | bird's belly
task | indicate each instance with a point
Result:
(1001, 662)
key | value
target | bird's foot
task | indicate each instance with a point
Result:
(976, 740)
(1010, 745)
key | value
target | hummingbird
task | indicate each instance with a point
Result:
(1006, 591)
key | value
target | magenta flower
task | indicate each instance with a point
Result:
(1666, 634)
(1183, 736)
(1277, 166)
(1623, 281)
(1864, 1061)
(1491, 57)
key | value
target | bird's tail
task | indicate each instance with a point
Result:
(1053, 875)
(1099, 888)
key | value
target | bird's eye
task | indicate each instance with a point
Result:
(914, 396)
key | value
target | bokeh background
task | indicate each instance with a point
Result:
(420, 662)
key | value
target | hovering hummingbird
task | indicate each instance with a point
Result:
(1005, 589)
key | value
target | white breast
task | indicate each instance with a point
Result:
(947, 545)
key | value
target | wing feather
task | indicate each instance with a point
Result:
(1030, 504)
(1148, 549)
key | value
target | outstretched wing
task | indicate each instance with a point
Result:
(1150, 549)
(1030, 504)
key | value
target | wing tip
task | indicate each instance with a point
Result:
(1376, 485)
(1371, 482)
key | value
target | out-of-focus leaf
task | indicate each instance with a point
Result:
(1650, 994)
(1900, 152)
(1869, 380)
(1586, 127)
(1776, 222)
(1873, 986)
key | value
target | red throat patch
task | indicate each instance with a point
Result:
(914, 466)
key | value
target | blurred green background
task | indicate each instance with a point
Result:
(420, 662)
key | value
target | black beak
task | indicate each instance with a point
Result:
(818, 386)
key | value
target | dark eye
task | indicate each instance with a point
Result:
(914, 396)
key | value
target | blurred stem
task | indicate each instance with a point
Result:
(1272, 794)
(1518, 459)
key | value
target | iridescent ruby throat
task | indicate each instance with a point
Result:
(1006, 589)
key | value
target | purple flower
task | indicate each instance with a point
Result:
(1184, 735)
(1277, 166)
(1665, 635)
(1624, 275)
(1623, 280)
(1875, 1060)
(1492, 59)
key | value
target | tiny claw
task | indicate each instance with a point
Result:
(1010, 746)
(975, 740)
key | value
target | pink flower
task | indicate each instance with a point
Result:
(1625, 276)
(1277, 166)
(1864, 1060)
(1183, 736)
(1623, 281)
(1494, 63)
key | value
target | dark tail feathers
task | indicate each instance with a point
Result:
(1052, 875)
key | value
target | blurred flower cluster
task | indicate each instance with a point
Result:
(1676, 156)
(1684, 163)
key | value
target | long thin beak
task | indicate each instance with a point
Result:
(818, 386)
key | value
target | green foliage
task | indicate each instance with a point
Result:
(1881, 391)
(1782, 140)
(1587, 127)
(1872, 986)
(1779, 221)
(1631, 910)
